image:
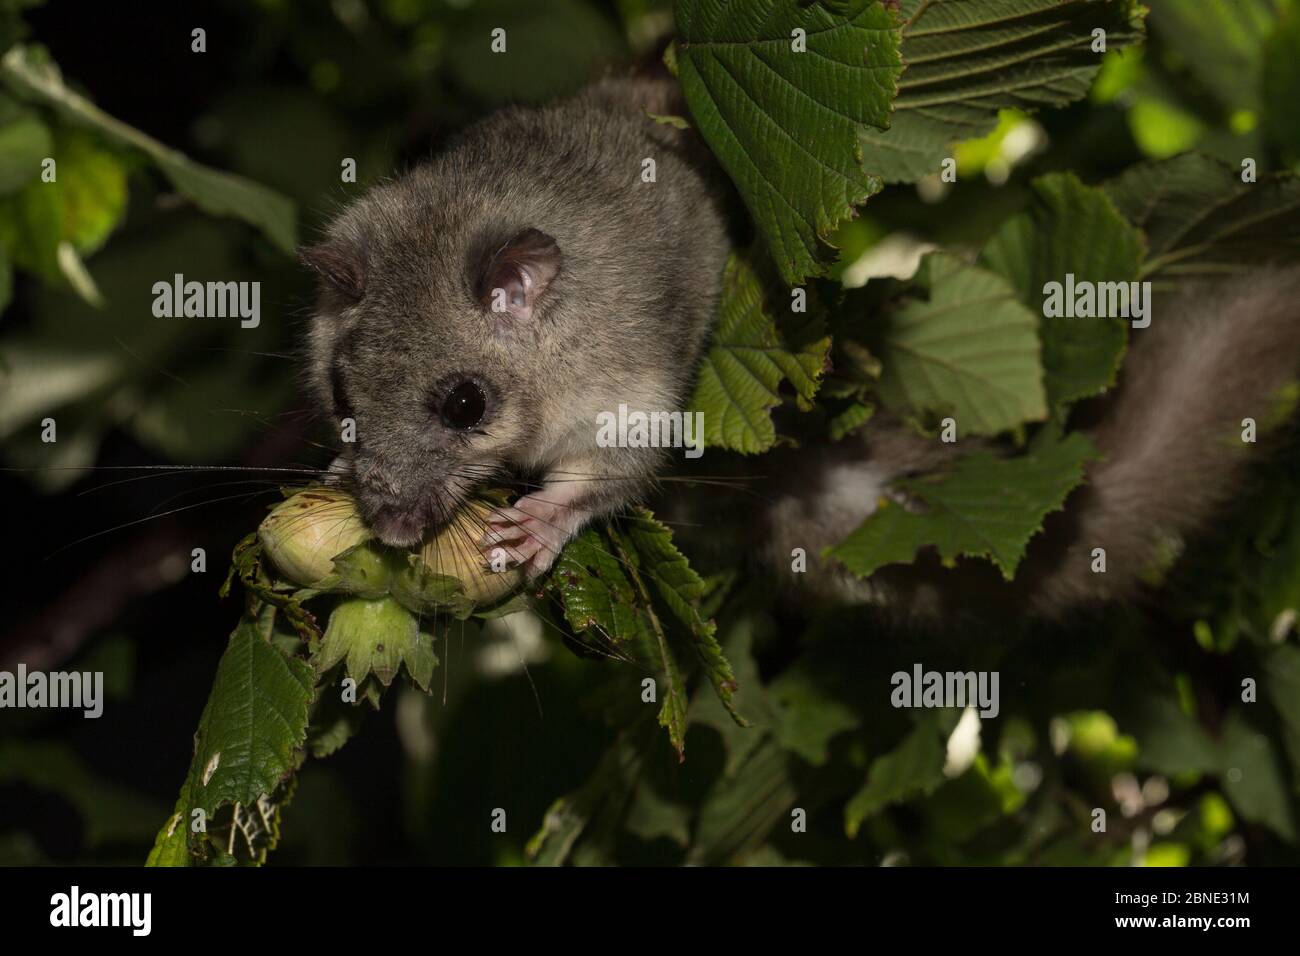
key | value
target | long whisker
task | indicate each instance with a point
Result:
(274, 355)
(266, 468)
(258, 417)
(171, 473)
(157, 368)
(128, 524)
(262, 483)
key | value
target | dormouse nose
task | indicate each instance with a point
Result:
(373, 475)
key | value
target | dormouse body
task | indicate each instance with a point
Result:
(478, 313)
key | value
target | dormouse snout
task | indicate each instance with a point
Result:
(399, 503)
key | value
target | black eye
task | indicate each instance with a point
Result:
(464, 406)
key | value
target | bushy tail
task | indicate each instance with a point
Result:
(1172, 436)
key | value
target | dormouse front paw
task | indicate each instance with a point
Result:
(532, 533)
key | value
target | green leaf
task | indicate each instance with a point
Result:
(1280, 685)
(1162, 129)
(93, 183)
(252, 727)
(246, 564)
(784, 124)
(109, 812)
(986, 506)
(611, 783)
(334, 722)
(967, 59)
(1282, 84)
(707, 709)
(1221, 42)
(30, 228)
(672, 710)
(850, 419)
(1252, 776)
(607, 604)
(741, 810)
(225, 194)
(551, 49)
(337, 715)
(968, 348)
(651, 816)
(597, 596)
(420, 660)
(913, 768)
(1246, 761)
(1071, 228)
(170, 846)
(31, 74)
(808, 717)
(422, 591)
(1201, 220)
(606, 580)
(6, 293)
(676, 122)
(1170, 741)
(45, 225)
(12, 27)
(106, 366)
(749, 356)
(24, 143)
(681, 589)
(375, 637)
(365, 570)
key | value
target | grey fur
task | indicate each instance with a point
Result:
(1170, 436)
(624, 320)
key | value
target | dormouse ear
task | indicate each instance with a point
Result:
(340, 264)
(517, 274)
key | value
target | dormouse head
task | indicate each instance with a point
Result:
(434, 333)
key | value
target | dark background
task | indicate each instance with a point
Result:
(92, 581)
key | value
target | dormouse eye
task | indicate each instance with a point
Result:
(464, 406)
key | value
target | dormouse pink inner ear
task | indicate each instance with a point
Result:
(339, 264)
(519, 273)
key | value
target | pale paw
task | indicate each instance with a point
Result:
(530, 535)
